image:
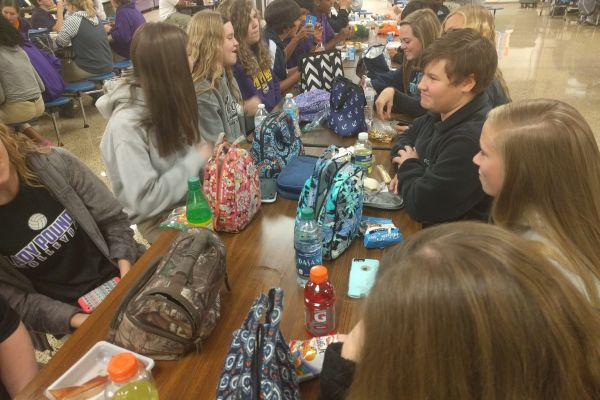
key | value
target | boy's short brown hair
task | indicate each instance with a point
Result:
(466, 52)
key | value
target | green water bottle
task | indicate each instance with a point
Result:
(197, 212)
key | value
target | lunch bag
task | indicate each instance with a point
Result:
(347, 108)
(259, 364)
(231, 186)
(335, 193)
(291, 180)
(174, 305)
(275, 144)
(311, 103)
(319, 70)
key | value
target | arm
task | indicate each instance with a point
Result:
(121, 30)
(209, 118)
(406, 104)
(17, 361)
(68, 31)
(39, 81)
(337, 373)
(339, 37)
(289, 82)
(408, 138)
(294, 40)
(247, 90)
(60, 16)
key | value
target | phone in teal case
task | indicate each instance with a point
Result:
(362, 276)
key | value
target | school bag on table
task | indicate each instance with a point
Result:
(291, 180)
(347, 108)
(319, 70)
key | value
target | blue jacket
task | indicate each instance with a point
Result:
(127, 20)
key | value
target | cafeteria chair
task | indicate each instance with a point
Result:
(51, 110)
(76, 90)
(120, 66)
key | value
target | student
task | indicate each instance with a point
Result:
(42, 18)
(341, 18)
(540, 161)
(468, 311)
(11, 11)
(283, 20)
(151, 145)
(437, 6)
(84, 31)
(482, 20)
(436, 177)
(252, 71)
(67, 234)
(212, 51)
(127, 20)
(167, 12)
(417, 32)
(330, 38)
(306, 39)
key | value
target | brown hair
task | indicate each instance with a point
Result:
(466, 53)
(426, 28)
(160, 67)
(83, 5)
(471, 311)
(18, 148)
(551, 181)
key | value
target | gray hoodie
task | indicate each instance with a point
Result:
(145, 183)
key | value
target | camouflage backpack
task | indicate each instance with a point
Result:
(174, 305)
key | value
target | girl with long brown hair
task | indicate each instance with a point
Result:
(468, 311)
(152, 144)
(540, 161)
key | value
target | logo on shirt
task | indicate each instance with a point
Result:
(37, 221)
(262, 79)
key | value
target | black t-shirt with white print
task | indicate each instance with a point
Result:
(41, 239)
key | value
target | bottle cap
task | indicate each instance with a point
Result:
(288, 96)
(307, 213)
(194, 183)
(122, 367)
(261, 105)
(318, 274)
(363, 136)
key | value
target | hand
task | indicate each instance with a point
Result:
(401, 128)
(393, 185)
(251, 105)
(318, 33)
(353, 343)
(404, 154)
(346, 32)
(205, 149)
(59, 5)
(124, 266)
(107, 28)
(302, 33)
(384, 103)
(77, 320)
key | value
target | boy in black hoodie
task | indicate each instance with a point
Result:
(436, 175)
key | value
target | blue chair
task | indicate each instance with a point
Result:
(119, 66)
(76, 89)
(52, 109)
(101, 78)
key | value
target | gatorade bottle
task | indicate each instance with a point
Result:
(319, 303)
(197, 212)
(129, 380)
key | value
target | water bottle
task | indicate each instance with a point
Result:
(370, 94)
(372, 34)
(319, 303)
(307, 243)
(363, 153)
(129, 380)
(259, 117)
(197, 211)
(291, 108)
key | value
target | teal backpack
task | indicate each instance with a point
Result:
(335, 192)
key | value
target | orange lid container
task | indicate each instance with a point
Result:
(122, 367)
(318, 274)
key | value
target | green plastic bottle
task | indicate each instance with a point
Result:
(198, 212)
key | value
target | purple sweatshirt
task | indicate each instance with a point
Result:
(127, 20)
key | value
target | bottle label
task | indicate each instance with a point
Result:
(306, 260)
(291, 112)
(365, 161)
(320, 322)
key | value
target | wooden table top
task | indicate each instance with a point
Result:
(258, 258)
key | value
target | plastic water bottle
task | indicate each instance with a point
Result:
(363, 153)
(373, 34)
(291, 108)
(319, 303)
(370, 94)
(259, 117)
(129, 380)
(197, 211)
(307, 243)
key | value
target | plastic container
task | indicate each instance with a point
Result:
(363, 153)
(197, 211)
(291, 108)
(370, 95)
(319, 303)
(128, 380)
(308, 246)
(260, 116)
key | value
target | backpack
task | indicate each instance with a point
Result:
(335, 193)
(347, 108)
(174, 305)
(231, 186)
(275, 144)
(259, 364)
(47, 67)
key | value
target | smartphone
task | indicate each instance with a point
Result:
(362, 276)
(89, 301)
(268, 190)
(311, 20)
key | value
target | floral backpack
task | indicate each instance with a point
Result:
(335, 192)
(231, 186)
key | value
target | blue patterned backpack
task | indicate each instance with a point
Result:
(335, 192)
(275, 144)
(347, 108)
(259, 364)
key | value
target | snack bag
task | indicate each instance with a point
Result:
(379, 232)
(309, 355)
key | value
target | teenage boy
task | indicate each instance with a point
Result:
(330, 38)
(436, 177)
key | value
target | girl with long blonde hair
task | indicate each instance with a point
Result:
(212, 50)
(540, 161)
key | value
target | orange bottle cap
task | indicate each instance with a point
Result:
(318, 274)
(122, 366)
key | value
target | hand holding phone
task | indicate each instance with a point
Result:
(89, 301)
(362, 276)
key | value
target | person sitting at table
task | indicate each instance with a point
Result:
(17, 358)
(152, 143)
(557, 205)
(398, 89)
(436, 176)
(167, 12)
(341, 18)
(212, 50)
(252, 71)
(11, 11)
(305, 39)
(283, 18)
(468, 311)
(42, 18)
(437, 6)
(330, 38)
(67, 234)
(127, 20)
(481, 19)
(84, 31)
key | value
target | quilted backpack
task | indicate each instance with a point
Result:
(259, 364)
(231, 186)
(335, 192)
(347, 108)
(275, 144)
